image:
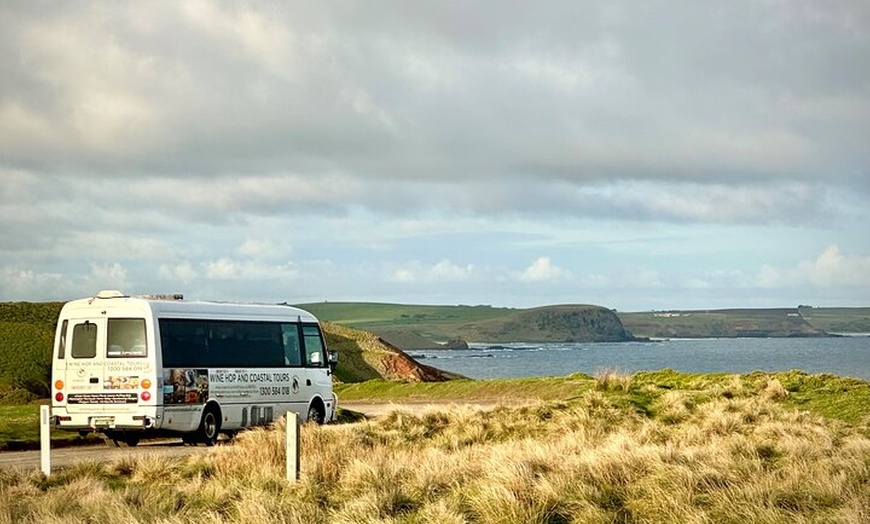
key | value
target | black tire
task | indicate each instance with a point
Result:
(315, 413)
(210, 426)
(112, 438)
(122, 438)
(132, 439)
(189, 439)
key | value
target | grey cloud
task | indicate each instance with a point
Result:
(579, 91)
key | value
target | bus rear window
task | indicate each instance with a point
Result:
(84, 340)
(126, 338)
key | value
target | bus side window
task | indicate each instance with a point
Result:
(313, 346)
(84, 341)
(292, 351)
(61, 350)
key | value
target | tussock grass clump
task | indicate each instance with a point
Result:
(612, 380)
(660, 448)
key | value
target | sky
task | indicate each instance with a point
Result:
(636, 155)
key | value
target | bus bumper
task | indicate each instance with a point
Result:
(103, 422)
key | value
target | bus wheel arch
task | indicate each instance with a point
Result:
(210, 424)
(316, 411)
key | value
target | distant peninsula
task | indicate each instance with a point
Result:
(452, 327)
(432, 327)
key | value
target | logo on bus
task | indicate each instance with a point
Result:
(295, 384)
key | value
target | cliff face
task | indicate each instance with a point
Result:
(571, 323)
(365, 356)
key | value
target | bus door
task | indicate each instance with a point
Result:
(318, 379)
(83, 373)
(105, 364)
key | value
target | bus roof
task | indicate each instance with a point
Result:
(170, 306)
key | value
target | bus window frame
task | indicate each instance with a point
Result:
(75, 338)
(306, 360)
(61, 346)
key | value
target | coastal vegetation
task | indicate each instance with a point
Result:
(656, 447)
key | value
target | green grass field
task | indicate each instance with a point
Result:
(434, 322)
(19, 429)
(838, 320)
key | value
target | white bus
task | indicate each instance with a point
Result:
(137, 366)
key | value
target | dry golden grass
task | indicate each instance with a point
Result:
(728, 455)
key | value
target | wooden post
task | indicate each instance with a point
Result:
(45, 439)
(292, 446)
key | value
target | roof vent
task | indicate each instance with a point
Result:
(110, 293)
(163, 296)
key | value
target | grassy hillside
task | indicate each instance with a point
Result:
(569, 323)
(838, 320)
(410, 324)
(365, 356)
(720, 323)
(26, 337)
(646, 448)
(435, 323)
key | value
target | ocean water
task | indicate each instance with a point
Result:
(845, 356)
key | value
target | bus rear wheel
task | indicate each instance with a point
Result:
(315, 413)
(123, 438)
(210, 426)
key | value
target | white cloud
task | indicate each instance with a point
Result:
(182, 272)
(259, 249)
(107, 276)
(833, 268)
(21, 284)
(443, 271)
(542, 270)
(830, 269)
(404, 275)
(229, 269)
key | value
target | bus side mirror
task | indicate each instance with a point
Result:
(332, 356)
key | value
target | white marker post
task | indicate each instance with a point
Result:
(292, 446)
(45, 439)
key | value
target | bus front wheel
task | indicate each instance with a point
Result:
(210, 426)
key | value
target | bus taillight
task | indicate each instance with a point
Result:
(146, 384)
(146, 396)
(58, 384)
(58, 396)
